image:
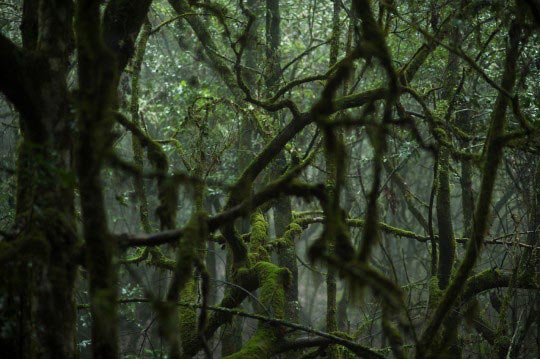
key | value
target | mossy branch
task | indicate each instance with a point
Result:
(358, 349)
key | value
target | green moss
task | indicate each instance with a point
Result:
(435, 293)
(301, 214)
(343, 335)
(258, 238)
(159, 260)
(388, 229)
(440, 109)
(140, 255)
(259, 228)
(259, 346)
(188, 317)
(293, 231)
(274, 282)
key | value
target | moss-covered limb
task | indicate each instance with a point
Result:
(138, 182)
(177, 177)
(292, 233)
(140, 255)
(436, 126)
(302, 214)
(495, 278)
(273, 41)
(153, 256)
(188, 316)
(154, 239)
(335, 234)
(159, 260)
(238, 204)
(493, 154)
(533, 237)
(97, 81)
(187, 254)
(356, 222)
(392, 230)
(288, 86)
(467, 197)
(331, 302)
(266, 155)
(287, 254)
(282, 207)
(444, 109)
(435, 294)
(273, 282)
(259, 346)
(258, 238)
(447, 244)
(359, 99)
(232, 332)
(464, 123)
(169, 21)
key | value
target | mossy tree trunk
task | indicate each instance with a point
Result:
(232, 332)
(443, 205)
(97, 77)
(39, 281)
(104, 46)
(282, 209)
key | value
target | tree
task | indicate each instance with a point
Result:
(384, 151)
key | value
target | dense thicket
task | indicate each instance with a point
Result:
(256, 179)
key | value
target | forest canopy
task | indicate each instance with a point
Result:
(269, 179)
